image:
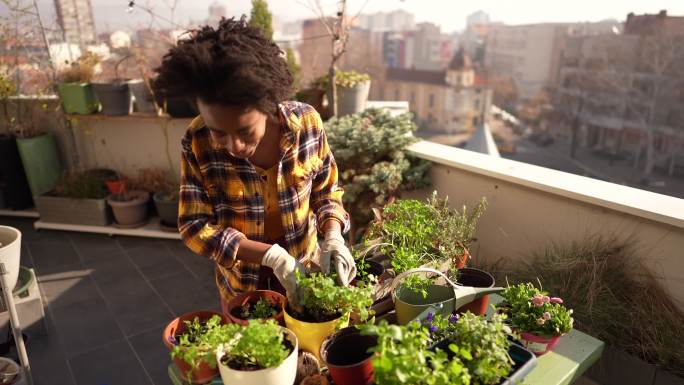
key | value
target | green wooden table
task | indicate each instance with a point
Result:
(573, 355)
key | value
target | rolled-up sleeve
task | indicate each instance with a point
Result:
(196, 220)
(326, 194)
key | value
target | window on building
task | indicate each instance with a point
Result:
(431, 100)
(396, 94)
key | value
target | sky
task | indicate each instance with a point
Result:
(449, 14)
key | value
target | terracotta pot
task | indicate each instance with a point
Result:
(253, 296)
(116, 186)
(132, 212)
(537, 344)
(475, 278)
(204, 373)
(347, 357)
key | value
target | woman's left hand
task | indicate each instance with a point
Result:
(334, 251)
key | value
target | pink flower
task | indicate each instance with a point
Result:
(540, 321)
(546, 299)
(556, 300)
(546, 316)
(538, 300)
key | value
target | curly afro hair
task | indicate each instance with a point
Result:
(232, 65)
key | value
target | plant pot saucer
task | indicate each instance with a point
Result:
(131, 226)
(165, 226)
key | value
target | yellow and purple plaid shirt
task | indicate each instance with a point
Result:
(221, 201)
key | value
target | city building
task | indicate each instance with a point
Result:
(425, 48)
(623, 93)
(398, 20)
(216, 12)
(450, 100)
(474, 37)
(75, 18)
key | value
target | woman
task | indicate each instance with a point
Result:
(258, 180)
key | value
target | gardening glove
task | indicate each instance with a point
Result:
(284, 266)
(336, 253)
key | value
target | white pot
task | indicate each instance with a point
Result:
(10, 250)
(284, 374)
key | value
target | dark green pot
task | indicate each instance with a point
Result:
(78, 98)
(41, 162)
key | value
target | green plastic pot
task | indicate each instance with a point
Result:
(78, 98)
(41, 162)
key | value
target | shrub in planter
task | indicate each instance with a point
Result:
(258, 304)
(260, 353)
(540, 319)
(78, 198)
(325, 307)
(370, 151)
(74, 88)
(193, 339)
(403, 356)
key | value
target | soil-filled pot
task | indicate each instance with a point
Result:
(476, 278)
(352, 100)
(115, 98)
(312, 334)
(55, 209)
(131, 212)
(236, 305)
(284, 373)
(204, 373)
(347, 357)
(144, 100)
(78, 98)
(14, 185)
(537, 344)
(41, 162)
(166, 204)
(375, 268)
(10, 249)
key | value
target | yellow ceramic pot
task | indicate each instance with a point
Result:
(311, 335)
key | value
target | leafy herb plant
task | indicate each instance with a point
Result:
(259, 345)
(322, 300)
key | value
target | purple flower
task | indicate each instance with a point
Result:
(429, 317)
(538, 300)
(556, 300)
(433, 328)
(453, 318)
(172, 340)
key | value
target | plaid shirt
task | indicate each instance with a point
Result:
(221, 201)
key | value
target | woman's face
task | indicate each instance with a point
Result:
(238, 129)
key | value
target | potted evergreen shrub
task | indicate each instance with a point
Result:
(78, 198)
(192, 340)
(540, 319)
(352, 91)
(259, 353)
(324, 308)
(115, 97)
(257, 304)
(74, 88)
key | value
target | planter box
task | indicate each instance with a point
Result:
(115, 98)
(92, 212)
(78, 98)
(41, 162)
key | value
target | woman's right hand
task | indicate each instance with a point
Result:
(284, 266)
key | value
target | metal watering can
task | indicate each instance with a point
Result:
(445, 299)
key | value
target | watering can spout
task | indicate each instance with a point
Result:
(467, 294)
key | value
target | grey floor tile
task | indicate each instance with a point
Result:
(183, 293)
(129, 243)
(67, 287)
(156, 261)
(50, 255)
(137, 307)
(86, 325)
(94, 246)
(25, 257)
(116, 270)
(201, 266)
(48, 359)
(113, 364)
(153, 353)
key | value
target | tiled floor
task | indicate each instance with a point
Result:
(107, 301)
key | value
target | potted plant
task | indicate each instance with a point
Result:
(348, 357)
(540, 319)
(129, 207)
(115, 96)
(78, 198)
(257, 304)
(324, 308)
(165, 195)
(352, 91)
(260, 353)
(469, 276)
(10, 250)
(142, 95)
(402, 355)
(192, 340)
(74, 88)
